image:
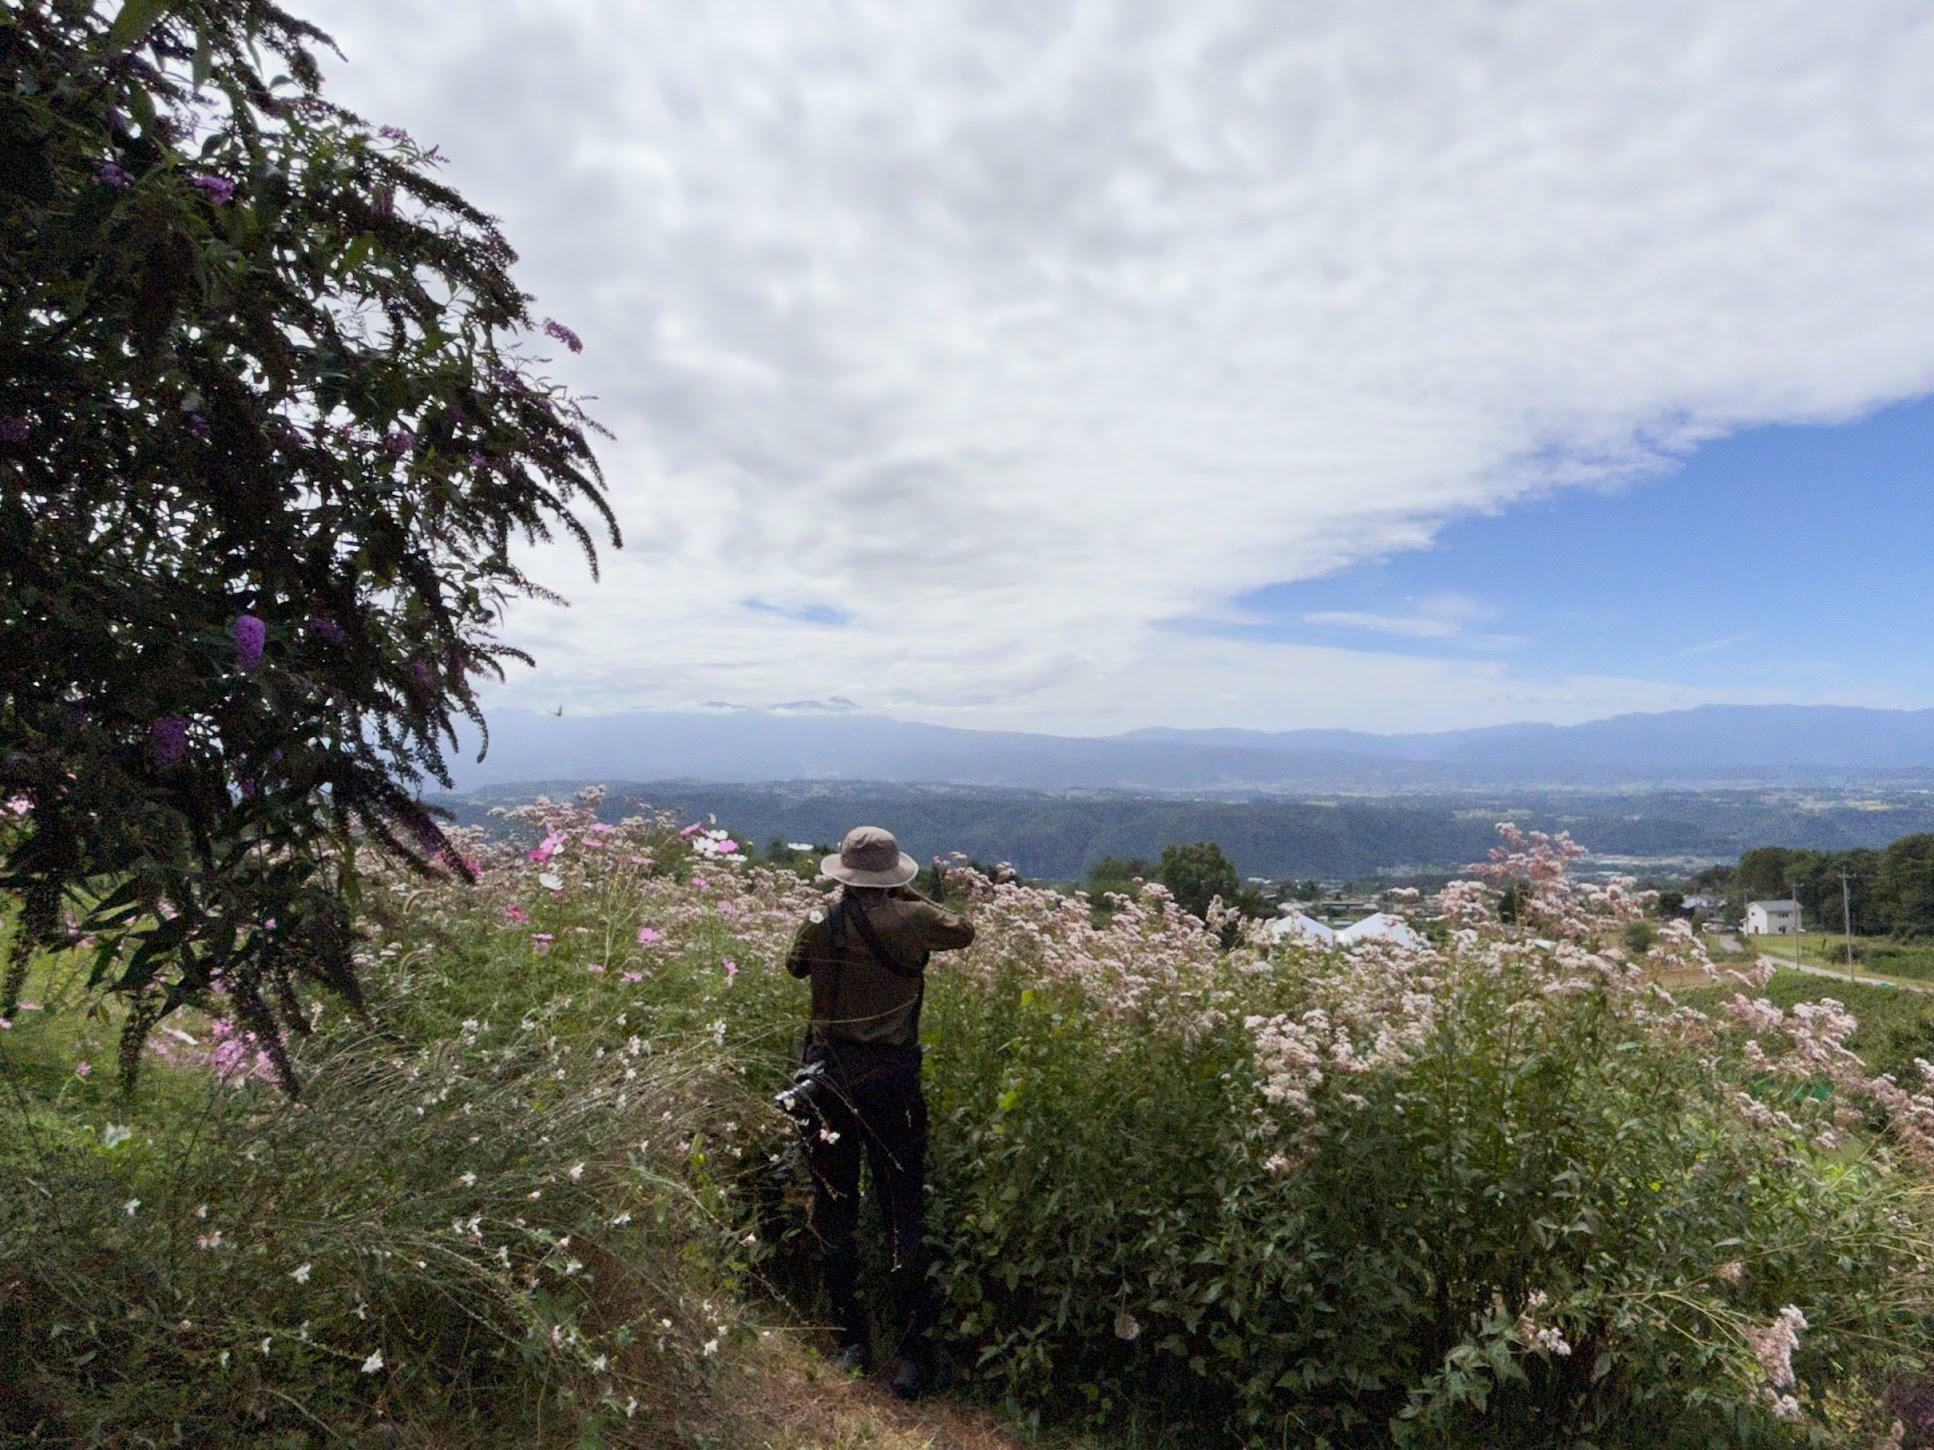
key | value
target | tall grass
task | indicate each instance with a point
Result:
(485, 1235)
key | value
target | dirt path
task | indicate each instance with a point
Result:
(1787, 964)
(802, 1405)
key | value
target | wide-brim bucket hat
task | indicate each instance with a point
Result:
(869, 856)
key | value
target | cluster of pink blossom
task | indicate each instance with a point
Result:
(1545, 1337)
(1773, 1346)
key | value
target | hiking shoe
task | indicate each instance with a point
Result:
(911, 1378)
(849, 1359)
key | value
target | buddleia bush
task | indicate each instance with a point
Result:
(272, 414)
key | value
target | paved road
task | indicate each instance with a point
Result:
(1787, 964)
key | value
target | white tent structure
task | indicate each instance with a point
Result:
(1380, 927)
(1298, 925)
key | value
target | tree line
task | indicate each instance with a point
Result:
(1888, 892)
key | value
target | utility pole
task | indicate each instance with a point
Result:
(1799, 913)
(1846, 917)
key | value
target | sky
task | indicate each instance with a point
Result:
(1080, 367)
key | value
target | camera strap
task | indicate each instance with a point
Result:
(873, 944)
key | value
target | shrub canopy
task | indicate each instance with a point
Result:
(269, 422)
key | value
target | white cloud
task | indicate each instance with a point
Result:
(1413, 626)
(1011, 333)
(1438, 616)
(1711, 646)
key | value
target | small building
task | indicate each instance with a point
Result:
(1772, 918)
(1710, 905)
(1296, 924)
(1379, 927)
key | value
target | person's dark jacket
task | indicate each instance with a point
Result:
(856, 997)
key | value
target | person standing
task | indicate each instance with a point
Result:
(866, 955)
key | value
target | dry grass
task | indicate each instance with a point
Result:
(795, 1402)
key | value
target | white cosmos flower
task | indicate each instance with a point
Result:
(374, 1362)
(301, 1273)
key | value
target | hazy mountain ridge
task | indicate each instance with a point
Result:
(1711, 744)
(1058, 835)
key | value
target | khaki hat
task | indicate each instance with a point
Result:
(869, 856)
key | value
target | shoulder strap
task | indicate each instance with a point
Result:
(873, 944)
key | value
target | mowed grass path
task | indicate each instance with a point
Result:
(1876, 958)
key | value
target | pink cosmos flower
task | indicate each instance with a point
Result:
(693, 829)
(83, 1069)
(634, 976)
(596, 967)
(541, 942)
(516, 913)
(647, 935)
(731, 970)
(699, 882)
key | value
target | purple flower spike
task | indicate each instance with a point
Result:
(399, 442)
(326, 630)
(250, 635)
(563, 334)
(394, 133)
(218, 189)
(168, 740)
(113, 174)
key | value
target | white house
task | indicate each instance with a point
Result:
(1299, 925)
(1772, 918)
(1380, 927)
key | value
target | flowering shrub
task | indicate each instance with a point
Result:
(270, 415)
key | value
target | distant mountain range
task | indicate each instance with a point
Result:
(1719, 744)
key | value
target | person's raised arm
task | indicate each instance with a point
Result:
(798, 956)
(943, 930)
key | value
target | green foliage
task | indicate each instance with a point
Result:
(1096, 1186)
(1198, 875)
(268, 427)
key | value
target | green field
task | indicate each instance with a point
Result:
(1876, 957)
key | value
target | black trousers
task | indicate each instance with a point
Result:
(873, 1103)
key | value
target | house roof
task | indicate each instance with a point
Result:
(1774, 905)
